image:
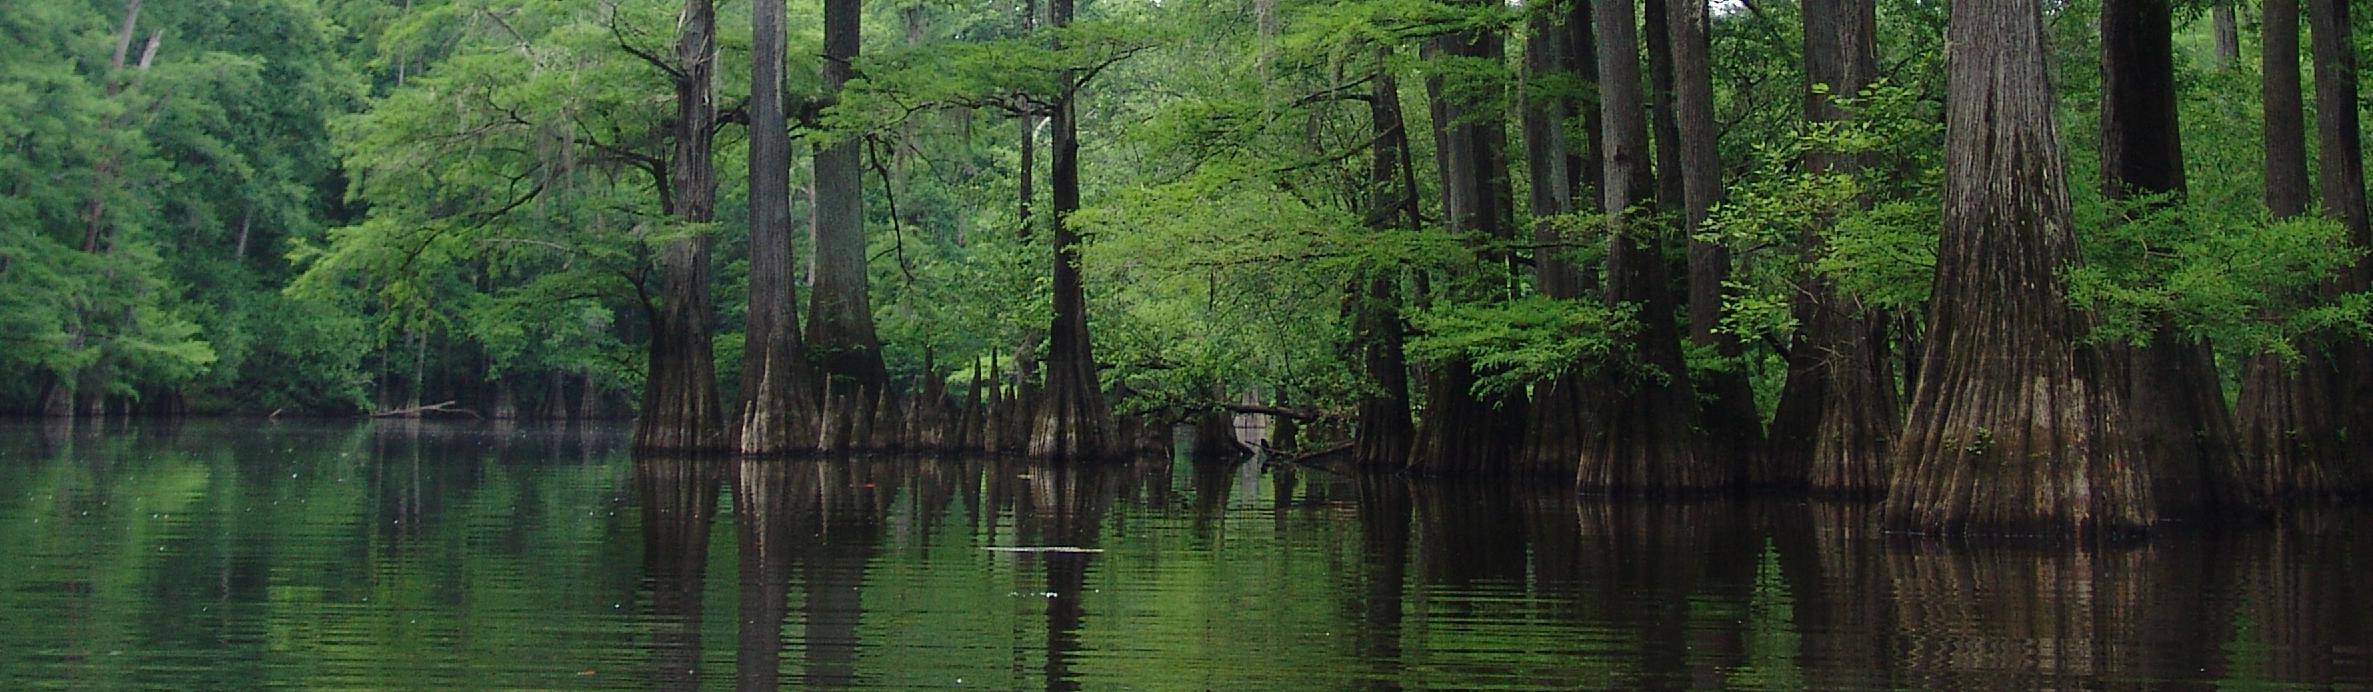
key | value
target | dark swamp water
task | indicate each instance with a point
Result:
(221, 554)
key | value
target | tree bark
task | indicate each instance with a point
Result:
(2290, 414)
(840, 313)
(2228, 34)
(1072, 420)
(1545, 154)
(2341, 163)
(1461, 433)
(1583, 167)
(1384, 432)
(1648, 443)
(1663, 126)
(1838, 414)
(1026, 188)
(778, 405)
(1554, 422)
(681, 412)
(2175, 402)
(1734, 428)
(2013, 428)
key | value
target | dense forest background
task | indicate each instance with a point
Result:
(1382, 220)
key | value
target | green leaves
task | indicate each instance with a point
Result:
(2246, 282)
(1517, 343)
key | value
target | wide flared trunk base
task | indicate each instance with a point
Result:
(1461, 434)
(2290, 433)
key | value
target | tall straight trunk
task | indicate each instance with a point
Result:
(681, 412)
(840, 314)
(2228, 34)
(1384, 433)
(2289, 414)
(1582, 166)
(2014, 427)
(1072, 420)
(1834, 432)
(2342, 184)
(2342, 158)
(1663, 124)
(1546, 156)
(2175, 401)
(419, 373)
(1647, 441)
(778, 410)
(1734, 428)
(1554, 422)
(1462, 433)
(1025, 370)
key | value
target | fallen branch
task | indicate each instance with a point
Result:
(1307, 457)
(1304, 415)
(439, 407)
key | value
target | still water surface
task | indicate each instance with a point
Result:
(212, 555)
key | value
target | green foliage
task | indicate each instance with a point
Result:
(1520, 342)
(330, 204)
(2239, 280)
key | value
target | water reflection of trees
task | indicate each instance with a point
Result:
(2025, 616)
(679, 501)
(2307, 600)
(1065, 506)
(1486, 583)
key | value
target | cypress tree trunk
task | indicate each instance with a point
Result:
(2176, 405)
(778, 410)
(2290, 431)
(840, 315)
(1071, 420)
(1583, 167)
(2341, 161)
(680, 407)
(1461, 433)
(1026, 189)
(1835, 428)
(2228, 34)
(2012, 428)
(1734, 429)
(1554, 425)
(1647, 441)
(1662, 124)
(1384, 433)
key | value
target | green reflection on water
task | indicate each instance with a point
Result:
(236, 554)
